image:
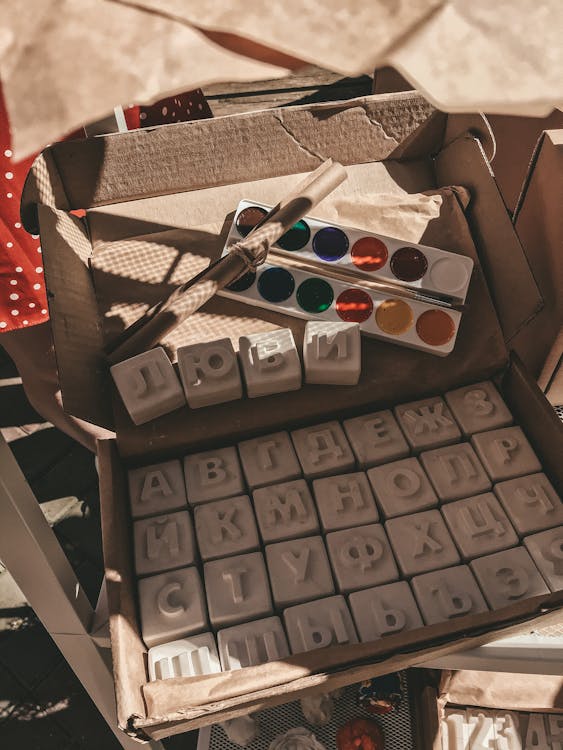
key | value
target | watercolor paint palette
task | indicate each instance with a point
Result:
(317, 293)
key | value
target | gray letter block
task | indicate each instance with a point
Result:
(268, 460)
(361, 558)
(157, 489)
(478, 408)
(213, 475)
(163, 543)
(237, 589)
(225, 527)
(172, 606)
(531, 503)
(546, 550)
(332, 353)
(252, 644)
(326, 622)
(376, 438)
(447, 594)
(479, 526)
(505, 453)
(148, 385)
(285, 511)
(323, 450)
(455, 472)
(402, 487)
(189, 657)
(345, 501)
(270, 362)
(421, 542)
(210, 373)
(384, 610)
(427, 423)
(506, 577)
(299, 571)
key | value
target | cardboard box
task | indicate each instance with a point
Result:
(159, 205)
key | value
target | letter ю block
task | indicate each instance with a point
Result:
(270, 363)
(210, 373)
(332, 353)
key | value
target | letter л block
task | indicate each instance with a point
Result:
(299, 571)
(376, 438)
(421, 542)
(157, 489)
(225, 527)
(478, 408)
(163, 543)
(402, 487)
(427, 423)
(447, 594)
(546, 550)
(269, 460)
(270, 363)
(189, 657)
(285, 511)
(507, 577)
(361, 558)
(209, 373)
(384, 610)
(323, 450)
(505, 453)
(455, 472)
(148, 385)
(345, 501)
(213, 475)
(252, 644)
(332, 353)
(531, 503)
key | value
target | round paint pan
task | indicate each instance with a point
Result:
(276, 284)
(369, 254)
(409, 264)
(243, 283)
(435, 327)
(354, 305)
(330, 243)
(296, 237)
(248, 218)
(314, 295)
(448, 275)
(394, 316)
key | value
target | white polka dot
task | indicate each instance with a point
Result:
(143, 116)
(19, 269)
(9, 195)
(18, 225)
(39, 249)
(8, 153)
(14, 296)
(37, 286)
(13, 282)
(9, 244)
(165, 111)
(32, 305)
(25, 322)
(9, 175)
(38, 269)
(43, 312)
(3, 324)
(35, 236)
(15, 312)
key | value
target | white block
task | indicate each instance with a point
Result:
(210, 373)
(225, 527)
(455, 471)
(189, 657)
(344, 501)
(285, 511)
(427, 423)
(326, 622)
(332, 353)
(478, 407)
(479, 526)
(455, 730)
(536, 733)
(506, 577)
(482, 735)
(507, 730)
(323, 450)
(148, 385)
(421, 542)
(506, 453)
(269, 460)
(157, 489)
(384, 610)
(546, 550)
(252, 644)
(299, 571)
(270, 363)
(376, 438)
(172, 606)
(361, 558)
(447, 594)
(237, 589)
(213, 475)
(402, 487)
(163, 543)
(531, 503)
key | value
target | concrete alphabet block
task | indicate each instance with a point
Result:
(225, 527)
(148, 385)
(427, 423)
(189, 657)
(157, 489)
(361, 558)
(213, 475)
(447, 594)
(323, 450)
(384, 610)
(506, 577)
(546, 549)
(455, 472)
(332, 353)
(506, 453)
(269, 460)
(285, 511)
(402, 487)
(253, 643)
(163, 543)
(344, 501)
(376, 438)
(326, 622)
(421, 542)
(478, 408)
(479, 526)
(531, 503)
(270, 362)
(299, 571)
(210, 373)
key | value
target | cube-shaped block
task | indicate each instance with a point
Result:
(253, 643)
(384, 610)
(508, 576)
(479, 526)
(237, 589)
(421, 542)
(361, 557)
(531, 503)
(269, 459)
(157, 489)
(482, 731)
(148, 385)
(172, 606)
(455, 471)
(479, 407)
(447, 594)
(299, 571)
(326, 622)
(344, 501)
(546, 549)
(427, 423)
(225, 527)
(188, 657)
(210, 373)
(163, 543)
(402, 487)
(213, 475)
(285, 511)
(270, 362)
(376, 438)
(332, 353)
(323, 450)
(505, 453)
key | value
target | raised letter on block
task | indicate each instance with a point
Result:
(285, 511)
(163, 543)
(209, 373)
(225, 527)
(427, 423)
(508, 576)
(299, 571)
(326, 622)
(332, 353)
(446, 594)
(270, 362)
(157, 489)
(188, 657)
(384, 610)
(251, 644)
